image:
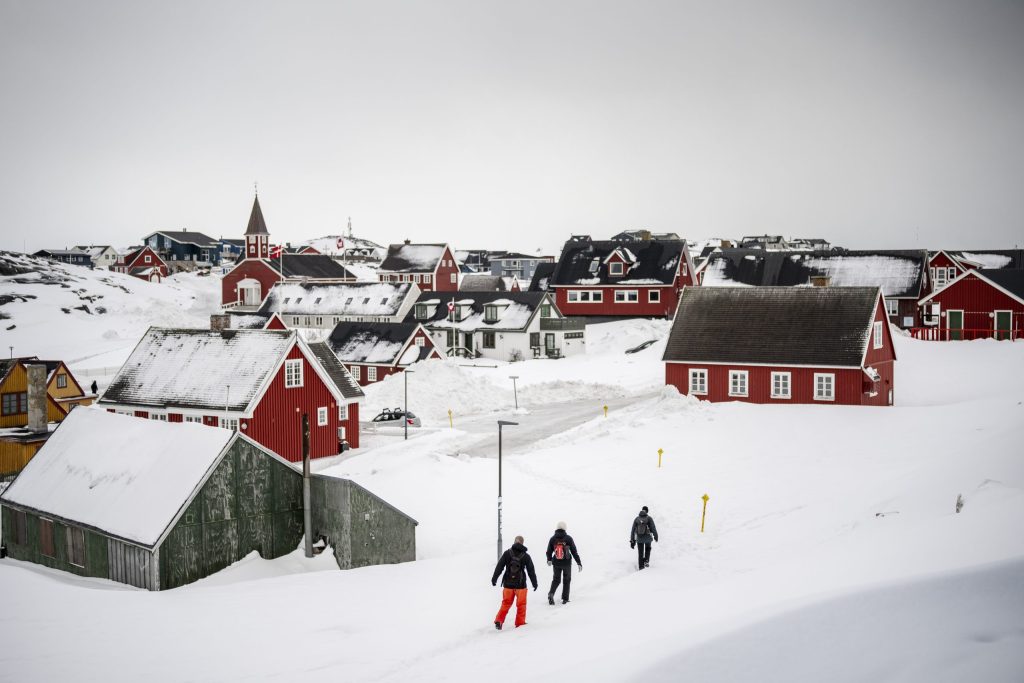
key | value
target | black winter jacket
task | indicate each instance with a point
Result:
(652, 531)
(560, 535)
(520, 550)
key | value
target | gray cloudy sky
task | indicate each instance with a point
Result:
(514, 124)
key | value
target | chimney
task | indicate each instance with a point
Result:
(220, 321)
(821, 281)
(645, 235)
(407, 241)
(36, 398)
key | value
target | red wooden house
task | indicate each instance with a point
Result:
(610, 278)
(782, 345)
(432, 267)
(945, 266)
(246, 285)
(977, 304)
(262, 383)
(373, 351)
(143, 263)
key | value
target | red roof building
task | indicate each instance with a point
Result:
(977, 304)
(431, 267)
(143, 263)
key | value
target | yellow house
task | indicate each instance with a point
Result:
(63, 392)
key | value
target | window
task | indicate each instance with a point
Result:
(573, 335)
(62, 381)
(295, 320)
(737, 382)
(699, 382)
(299, 300)
(318, 300)
(158, 416)
(321, 416)
(342, 413)
(535, 340)
(75, 538)
(147, 258)
(366, 300)
(545, 311)
(15, 403)
(384, 301)
(426, 279)
(878, 334)
(287, 299)
(940, 277)
(951, 273)
(46, 537)
(193, 418)
(357, 372)
(615, 268)
(371, 374)
(488, 340)
(20, 527)
(892, 307)
(654, 296)
(780, 384)
(419, 341)
(449, 339)
(623, 296)
(229, 423)
(824, 387)
(293, 373)
(454, 278)
(490, 313)
(585, 296)
(416, 278)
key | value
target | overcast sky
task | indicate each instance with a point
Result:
(499, 125)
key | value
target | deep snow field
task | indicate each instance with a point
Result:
(832, 550)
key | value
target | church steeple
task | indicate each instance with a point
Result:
(257, 239)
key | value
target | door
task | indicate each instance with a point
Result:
(1004, 323)
(469, 341)
(955, 325)
(549, 342)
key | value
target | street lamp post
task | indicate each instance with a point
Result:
(405, 416)
(501, 423)
(515, 393)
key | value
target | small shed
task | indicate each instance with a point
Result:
(158, 505)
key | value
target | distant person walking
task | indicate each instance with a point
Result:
(641, 535)
(94, 387)
(516, 564)
(561, 552)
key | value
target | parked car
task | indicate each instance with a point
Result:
(394, 417)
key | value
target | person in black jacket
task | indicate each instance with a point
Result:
(641, 535)
(516, 564)
(561, 552)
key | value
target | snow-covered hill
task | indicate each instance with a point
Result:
(92, 318)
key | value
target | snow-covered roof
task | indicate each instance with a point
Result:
(123, 475)
(520, 307)
(412, 257)
(194, 368)
(341, 299)
(378, 343)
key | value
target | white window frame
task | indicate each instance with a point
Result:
(419, 341)
(62, 381)
(321, 416)
(585, 296)
(162, 417)
(654, 296)
(701, 374)
(737, 374)
(293, 373)
(615, 268)
(357, 372)
(831, 395)
(195, 419)
(627, 296)
(892, 307)
(416, 278)
(371, 374)
(69, 541)
(877, 335)
(951, 274)
(147, 259)
(228, 423)
(786, 383)
(426, 279)
(342, 413)
(454, 278)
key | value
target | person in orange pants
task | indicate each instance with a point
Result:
(517, 564)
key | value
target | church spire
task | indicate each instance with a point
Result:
(257, 239)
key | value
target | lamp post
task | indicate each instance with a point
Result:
(515, 393)
(405, 416)
(501, 423)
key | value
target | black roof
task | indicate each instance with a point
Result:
(900, 274)
(515, 256)
(187, 237)
(317, 266)
(351, 341)
(1010, 280)
(257, 226)
(827, 326)
(482, 282)
(341, 377)
(1015, 256)
(232, 241)
(655, 260)
(542, 276)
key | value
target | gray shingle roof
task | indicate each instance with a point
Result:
(362, 342)
(481, 282)
(187, 237)
(412, 258)
(341, 377)
(315, 266)
(826, 326)
(1010, 280)
(257, 226)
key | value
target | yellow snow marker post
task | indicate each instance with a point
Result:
(703, 514)
(606, 411)
(450, 423)
(659, 456)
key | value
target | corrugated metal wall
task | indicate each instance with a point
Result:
(130, 564)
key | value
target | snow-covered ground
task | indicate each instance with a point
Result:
(832, 549)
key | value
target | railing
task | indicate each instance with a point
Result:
(562, 324)
(968, 334)
(462, 352)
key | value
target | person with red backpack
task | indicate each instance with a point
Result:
(516, 564)
(561, 552)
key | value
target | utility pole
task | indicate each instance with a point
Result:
(307, 512)
(405, 416)
(501, 423)
(515, 393)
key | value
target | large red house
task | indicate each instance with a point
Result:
(977, 304)
(431, 267)
(946, 265)
(613, 278)
(143, 263)
(262, 383)
(373, 351)
(782, 345)
(246, 285)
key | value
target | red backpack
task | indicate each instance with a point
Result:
(561, 551)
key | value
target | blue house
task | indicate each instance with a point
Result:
(182, 245)
(231, 249)
(75, 257)
(522, 266)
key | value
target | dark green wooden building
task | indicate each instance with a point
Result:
(158, 505)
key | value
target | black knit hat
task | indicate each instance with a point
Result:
(644, 508)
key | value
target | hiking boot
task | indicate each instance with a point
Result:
(497, 625)
(565, 600)
(551, 598)
(646, 565)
